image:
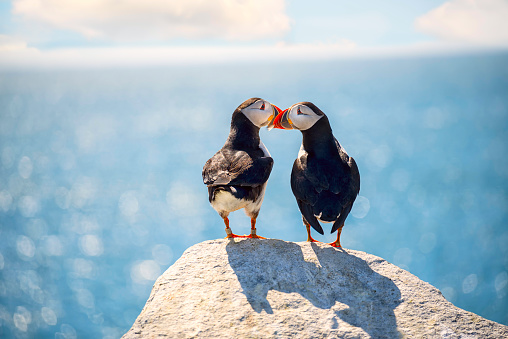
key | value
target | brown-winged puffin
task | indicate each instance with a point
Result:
(237, 174)
(325, 179)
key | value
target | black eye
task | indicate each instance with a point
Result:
(263, 106)
(299, 112)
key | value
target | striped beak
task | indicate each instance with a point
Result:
(282, 120)
(276, 112)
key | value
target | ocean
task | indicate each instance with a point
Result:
(101, 189)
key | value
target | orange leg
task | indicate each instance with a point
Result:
(336, 243)
(229, 233)
(253, 230)
(309, 238)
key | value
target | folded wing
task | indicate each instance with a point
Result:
(236, 168)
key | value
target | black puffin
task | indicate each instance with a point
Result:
(325, 179)
(237, 174)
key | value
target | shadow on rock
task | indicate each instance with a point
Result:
(329, 276)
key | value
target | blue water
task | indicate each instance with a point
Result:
(101, 190)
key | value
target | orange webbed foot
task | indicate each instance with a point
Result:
(335, 244)
(231, 236)
(254, 236)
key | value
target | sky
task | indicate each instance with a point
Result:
(98, 147)
(110, 33)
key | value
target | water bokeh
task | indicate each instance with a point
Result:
(101, 189)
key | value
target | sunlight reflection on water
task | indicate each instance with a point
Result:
(100, 181)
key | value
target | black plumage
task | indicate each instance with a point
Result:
(325, 180)
(237, 174)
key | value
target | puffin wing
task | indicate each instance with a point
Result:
(310, 180)
(349, 178)
(215, 170)
(355, 177)
(313, 172)
(305, 193)
(350, 186)
(236, 168)
(254, 175)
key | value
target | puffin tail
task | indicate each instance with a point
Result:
(342, 217)
(309, 216)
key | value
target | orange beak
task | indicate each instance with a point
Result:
(276, 112)
(277, 109)
(282, 121)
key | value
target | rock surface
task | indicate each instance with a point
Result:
(253, 288)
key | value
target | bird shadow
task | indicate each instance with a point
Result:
(328, 275)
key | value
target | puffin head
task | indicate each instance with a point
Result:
(300, 116)
(260, 112)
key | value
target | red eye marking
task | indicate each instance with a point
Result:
(263, 106)
(299, 112)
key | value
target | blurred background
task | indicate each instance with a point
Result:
(108, 111)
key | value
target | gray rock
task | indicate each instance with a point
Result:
(253, 288)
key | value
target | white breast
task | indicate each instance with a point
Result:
(301, 152)
(226, 202)
(264, 149)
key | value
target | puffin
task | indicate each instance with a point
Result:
(237, 175)
(325, 180)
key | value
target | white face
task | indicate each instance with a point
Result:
(260, 113)
(302, 117)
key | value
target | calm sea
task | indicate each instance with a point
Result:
(101, 189)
